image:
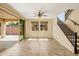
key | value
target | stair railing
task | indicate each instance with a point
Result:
(72, 37)
(75, 43)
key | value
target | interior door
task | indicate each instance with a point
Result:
(22, 29)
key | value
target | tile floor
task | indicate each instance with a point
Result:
(37, 47)
(10, 38)
(8, 42)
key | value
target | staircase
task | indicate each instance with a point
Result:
(72, 37)
(77, 38)
(68, 12)
(77, 35)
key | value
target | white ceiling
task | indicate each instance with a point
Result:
(53, 9)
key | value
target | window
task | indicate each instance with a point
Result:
(35, 25)
(43, 25)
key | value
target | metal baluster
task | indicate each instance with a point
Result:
(75, 46)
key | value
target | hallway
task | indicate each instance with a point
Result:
(37, 47)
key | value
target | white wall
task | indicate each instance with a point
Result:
(60, 37)
(44, 34)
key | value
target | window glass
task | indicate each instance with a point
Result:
(43, 25)
(35, 25)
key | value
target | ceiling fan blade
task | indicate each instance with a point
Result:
(44, 15)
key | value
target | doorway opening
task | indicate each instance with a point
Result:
(9, 31)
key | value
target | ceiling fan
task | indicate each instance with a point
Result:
(40, 13)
